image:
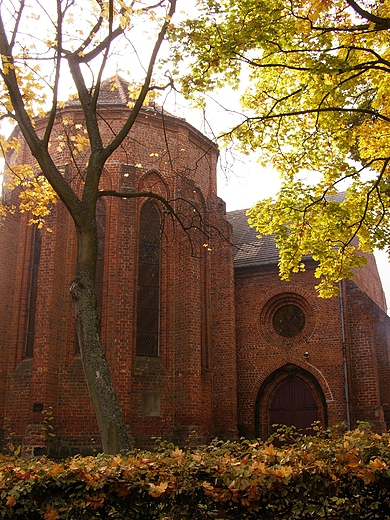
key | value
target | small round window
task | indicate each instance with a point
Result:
(288, 321)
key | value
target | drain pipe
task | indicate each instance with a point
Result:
(345, 363)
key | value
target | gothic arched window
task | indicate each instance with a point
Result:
(101, 237)
(149, 266)
(32, 291)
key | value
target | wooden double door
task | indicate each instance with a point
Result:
(292, 404)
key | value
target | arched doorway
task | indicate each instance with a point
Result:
(290, 396)
(292, 404)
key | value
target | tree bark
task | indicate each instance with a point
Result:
(97, 373)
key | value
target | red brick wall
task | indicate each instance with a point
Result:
(368, 328)
(367, 278)
(223, 329)
(220, 358)
(264, 357)
(194, 377)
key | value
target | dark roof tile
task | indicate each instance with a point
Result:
(249, 250)
(115, 91)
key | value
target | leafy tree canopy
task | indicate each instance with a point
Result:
(62, 50)
(316, 107)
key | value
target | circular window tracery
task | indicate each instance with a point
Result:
(289, 320)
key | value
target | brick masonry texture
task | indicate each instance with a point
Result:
(221, 362)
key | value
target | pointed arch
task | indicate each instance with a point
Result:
(291, 396)
(154, 182)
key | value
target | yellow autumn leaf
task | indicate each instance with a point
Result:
(158, 490)
(207, 487)
(377, 464)
(11, 501)
(269, 449)
(367, 475)
(258, 466)
(283, 472)
(177, 453)
(50, 514)
(196, 457)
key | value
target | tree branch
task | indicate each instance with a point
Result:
(36, 145)
(17, 23)
(293, 113)
(168, 204)
(57, 59)
(145, 87)
(380, 23)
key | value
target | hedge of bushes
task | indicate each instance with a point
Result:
(329, 475)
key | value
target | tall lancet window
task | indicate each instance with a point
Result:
(101, 236)
(32, 291)
(149, 267)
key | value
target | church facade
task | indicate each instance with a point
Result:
(202, 337)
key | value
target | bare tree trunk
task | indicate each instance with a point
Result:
(97, 373)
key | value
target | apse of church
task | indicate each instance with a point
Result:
(202, 337)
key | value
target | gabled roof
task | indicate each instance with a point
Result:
(250, 251)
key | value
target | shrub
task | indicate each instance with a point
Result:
(327, 475)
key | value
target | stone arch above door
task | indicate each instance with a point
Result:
(290, 396)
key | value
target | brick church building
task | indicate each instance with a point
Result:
(202, 337)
